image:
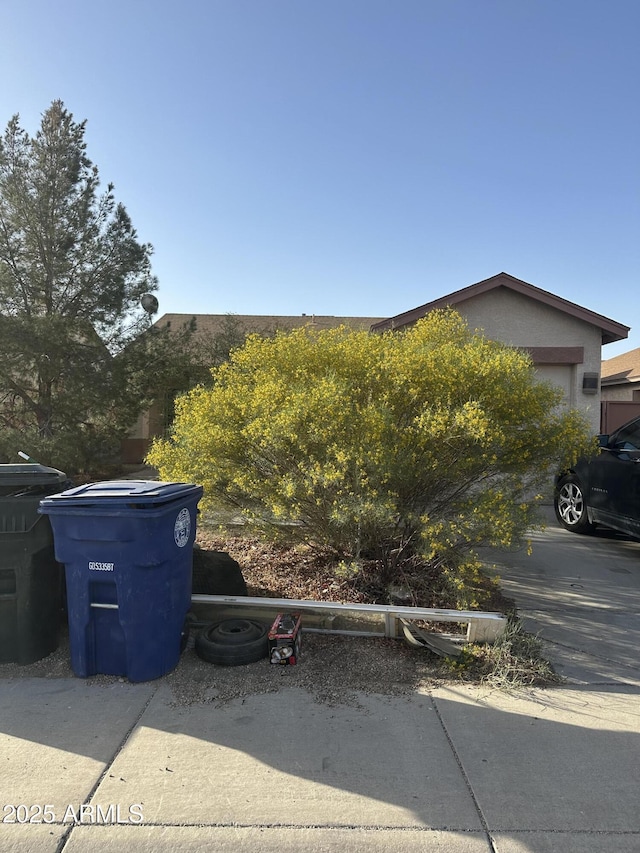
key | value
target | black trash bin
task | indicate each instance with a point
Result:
(30, 578)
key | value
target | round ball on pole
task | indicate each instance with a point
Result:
(149, 303)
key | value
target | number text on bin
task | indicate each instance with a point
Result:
(100, 567)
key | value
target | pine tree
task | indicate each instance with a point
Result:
(72, 273)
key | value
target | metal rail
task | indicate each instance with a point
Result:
(481, 627)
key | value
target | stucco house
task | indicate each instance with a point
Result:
(621, 377)
(564, 340)
(620, 389)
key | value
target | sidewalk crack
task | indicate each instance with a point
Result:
(467, 781)
(62, 843)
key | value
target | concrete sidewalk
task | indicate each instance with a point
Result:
(120, 767)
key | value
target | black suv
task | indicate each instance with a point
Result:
(604, 489)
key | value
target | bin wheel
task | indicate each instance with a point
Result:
(189, 623)
(233, 642)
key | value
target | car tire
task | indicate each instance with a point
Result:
(233, 642)
(571, 506)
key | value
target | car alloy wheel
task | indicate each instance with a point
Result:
(571, 506)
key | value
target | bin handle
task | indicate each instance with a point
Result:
(104, 606)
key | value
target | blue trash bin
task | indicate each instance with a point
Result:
(127, 549)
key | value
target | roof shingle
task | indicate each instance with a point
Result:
(621, 369)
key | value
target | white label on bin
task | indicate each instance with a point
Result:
(182, 528)
(100, 567)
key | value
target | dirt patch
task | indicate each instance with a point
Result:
(298, 572)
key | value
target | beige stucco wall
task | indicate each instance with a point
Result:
(619, 392)
(517, 320)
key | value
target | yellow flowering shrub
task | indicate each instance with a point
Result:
(430, 441)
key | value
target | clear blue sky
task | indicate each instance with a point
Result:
(353, 157)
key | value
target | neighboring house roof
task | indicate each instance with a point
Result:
(611, 331)
(263, 324)
(621, 369)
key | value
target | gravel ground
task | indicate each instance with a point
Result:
(332, 667)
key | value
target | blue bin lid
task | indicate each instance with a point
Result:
(123, 493)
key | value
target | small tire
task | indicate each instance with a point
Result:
(233, 642)
(570, 505)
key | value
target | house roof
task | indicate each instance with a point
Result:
(263, 324)
(611, 331)
(621, 369)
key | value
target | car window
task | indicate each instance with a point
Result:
(628, 438)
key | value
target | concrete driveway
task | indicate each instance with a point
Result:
(581, 594)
